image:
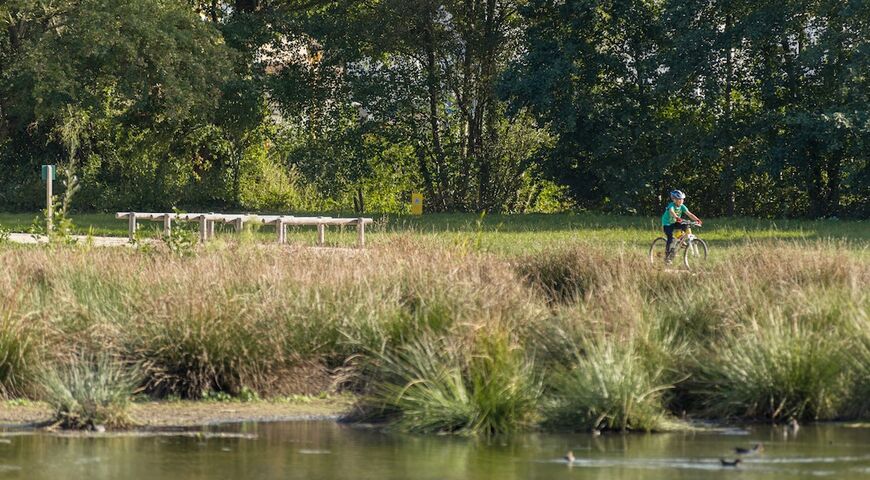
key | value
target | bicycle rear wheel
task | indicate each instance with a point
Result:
(657, 251)
(695, 253)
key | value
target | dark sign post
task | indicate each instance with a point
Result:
(48, 174)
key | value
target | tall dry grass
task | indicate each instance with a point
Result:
(765, 325)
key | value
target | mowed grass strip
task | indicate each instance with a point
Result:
(506, 234)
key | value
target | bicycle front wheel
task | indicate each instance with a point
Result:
(695, 253)
(657, 251)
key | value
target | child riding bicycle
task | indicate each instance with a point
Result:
(673, 219)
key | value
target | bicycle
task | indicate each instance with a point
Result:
(694, 249)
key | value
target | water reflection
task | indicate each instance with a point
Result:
(326, 450)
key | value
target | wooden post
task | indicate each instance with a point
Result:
(239, 223)
(132, 225)
(210, 227)
(203, 229)
(279, 226)
(49, 208)
(321, 234)
(361, 232)
(167, 224)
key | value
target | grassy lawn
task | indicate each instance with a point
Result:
(516, 233)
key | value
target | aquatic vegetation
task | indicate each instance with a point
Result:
(90, 392)
(858, 403)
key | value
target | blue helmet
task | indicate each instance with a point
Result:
(678, 195)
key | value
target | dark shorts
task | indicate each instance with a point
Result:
(669, 231)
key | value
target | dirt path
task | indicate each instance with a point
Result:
(28, 238)
(188, 414)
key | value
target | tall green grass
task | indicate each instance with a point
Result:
(857, 404)
(190, 346)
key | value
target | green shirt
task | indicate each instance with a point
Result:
(668, 219)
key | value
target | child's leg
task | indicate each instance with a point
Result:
(669, 232)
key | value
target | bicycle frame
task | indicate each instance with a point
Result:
(685, 239)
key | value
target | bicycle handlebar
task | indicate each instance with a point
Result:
(690, 223)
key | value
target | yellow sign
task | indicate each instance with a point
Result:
(416, 204)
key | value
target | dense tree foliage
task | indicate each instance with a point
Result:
(754, 107)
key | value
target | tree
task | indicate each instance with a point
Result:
(143, 73)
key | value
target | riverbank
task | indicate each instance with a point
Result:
(16, 415)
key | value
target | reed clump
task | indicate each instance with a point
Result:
(609, 386)
(90, 392)
(190, 347)
(22, 346)
(449, 340)
(433, 385)
(776, 371)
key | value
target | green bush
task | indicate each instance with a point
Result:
(181, 242)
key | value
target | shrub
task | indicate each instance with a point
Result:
(181, 242)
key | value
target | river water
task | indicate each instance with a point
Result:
(327, 450)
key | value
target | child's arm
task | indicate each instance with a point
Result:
(693, 217)
(673, 214)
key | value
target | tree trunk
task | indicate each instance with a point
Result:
(834, 180)
(815, 189)
(434, 95)
(486, 136)
(466, 97)
(730, 182)
(359, 205)
(428, 186)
